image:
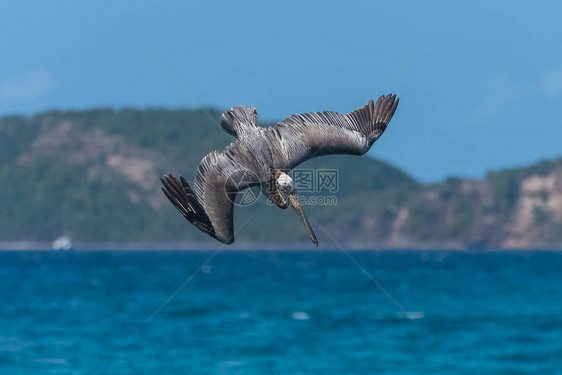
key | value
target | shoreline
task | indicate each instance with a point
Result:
(258, 246)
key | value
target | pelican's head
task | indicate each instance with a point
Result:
(284, 188)
(286, 195)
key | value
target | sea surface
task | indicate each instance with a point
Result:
(264, 312)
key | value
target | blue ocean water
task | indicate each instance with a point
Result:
(310, 312)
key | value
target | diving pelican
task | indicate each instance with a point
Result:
(263, 156)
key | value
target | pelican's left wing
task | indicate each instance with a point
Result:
(308, 135)
(209, 206)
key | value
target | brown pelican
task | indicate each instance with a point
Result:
(263, 156)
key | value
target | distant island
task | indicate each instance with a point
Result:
(94, 175)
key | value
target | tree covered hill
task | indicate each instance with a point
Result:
(94, 174)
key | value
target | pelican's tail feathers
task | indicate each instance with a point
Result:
(237, 120)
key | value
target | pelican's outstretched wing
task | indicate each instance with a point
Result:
(209, 207)
(183, 198)
(308, 135)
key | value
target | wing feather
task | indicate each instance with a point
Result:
(209, 205)
(220, 177)
(308, 135)
(185, 201)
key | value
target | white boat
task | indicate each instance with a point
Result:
(62, 243)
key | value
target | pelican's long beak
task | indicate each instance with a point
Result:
(294, 199)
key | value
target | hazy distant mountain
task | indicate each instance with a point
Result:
(94, 175)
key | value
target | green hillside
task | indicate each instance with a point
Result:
(95, 175)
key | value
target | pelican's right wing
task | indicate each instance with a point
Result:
(308, 135)
(209, 206)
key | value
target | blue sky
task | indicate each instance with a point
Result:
(481, 88)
